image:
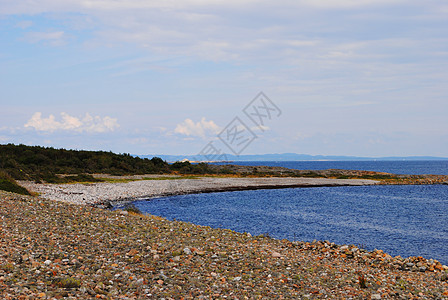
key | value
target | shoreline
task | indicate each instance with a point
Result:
(107, 194)
(53, 250)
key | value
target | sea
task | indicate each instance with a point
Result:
(405, 220)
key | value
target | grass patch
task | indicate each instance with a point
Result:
(125, 180)
(69, 283)
(378, 176)
(81, 178)
(7, 267)
(117, 180)
(10, 185)
(132, 209)
(171, 177)
(61, 179)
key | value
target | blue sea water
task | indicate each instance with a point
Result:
(401, 220)
(418, 167)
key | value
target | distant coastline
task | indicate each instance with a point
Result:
(288, 157)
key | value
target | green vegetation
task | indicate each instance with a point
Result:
(43, 164)
(7, 267)
(10, 185)
(379, 176)
(69, 283)
(362, 281)
(311, 174)
(131, 208)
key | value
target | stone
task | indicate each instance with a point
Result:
(139, 282)
(349, 254)
(276, 255)
(35, 264)
(47, 262)
(187, 251)
(132, 252)
(375, 297)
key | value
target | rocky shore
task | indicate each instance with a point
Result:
(383, 177)
(104, 194)
(58, 250)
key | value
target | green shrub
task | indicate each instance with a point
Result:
(131, 208)
(40, 164)
(7, 267)
(69, 283)
(10, 185)
(82, 178)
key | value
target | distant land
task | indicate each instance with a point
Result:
(290, 157)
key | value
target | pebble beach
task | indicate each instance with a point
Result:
(69, 249)
(106, 193)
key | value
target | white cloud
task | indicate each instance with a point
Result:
(260, 128)
(42, 6)
(199, 129)
(89, 124)
(24, 24)
(54, 38)
(209, 30)
(347, 3)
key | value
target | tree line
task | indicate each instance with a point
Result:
(38, 163)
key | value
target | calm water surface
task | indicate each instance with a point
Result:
(401, 220)
(436, 167)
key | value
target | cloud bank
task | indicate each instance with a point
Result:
(89, 124)
(201, 129)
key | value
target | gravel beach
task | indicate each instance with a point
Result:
(104, 193)
(59, 250)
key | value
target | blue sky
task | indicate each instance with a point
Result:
(350, 77)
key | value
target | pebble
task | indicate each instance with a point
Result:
(276, 255)
(96, 193)
(114, 260)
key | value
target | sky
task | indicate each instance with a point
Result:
(336, 77)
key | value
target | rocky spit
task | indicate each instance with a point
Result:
(103, 194)
(60, 250)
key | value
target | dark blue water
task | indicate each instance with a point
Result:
(438, 167)
(401, 220)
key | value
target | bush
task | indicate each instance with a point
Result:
(82, 178)
(70, 283)
(40, 164)
(131, 208)
(10, 185)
